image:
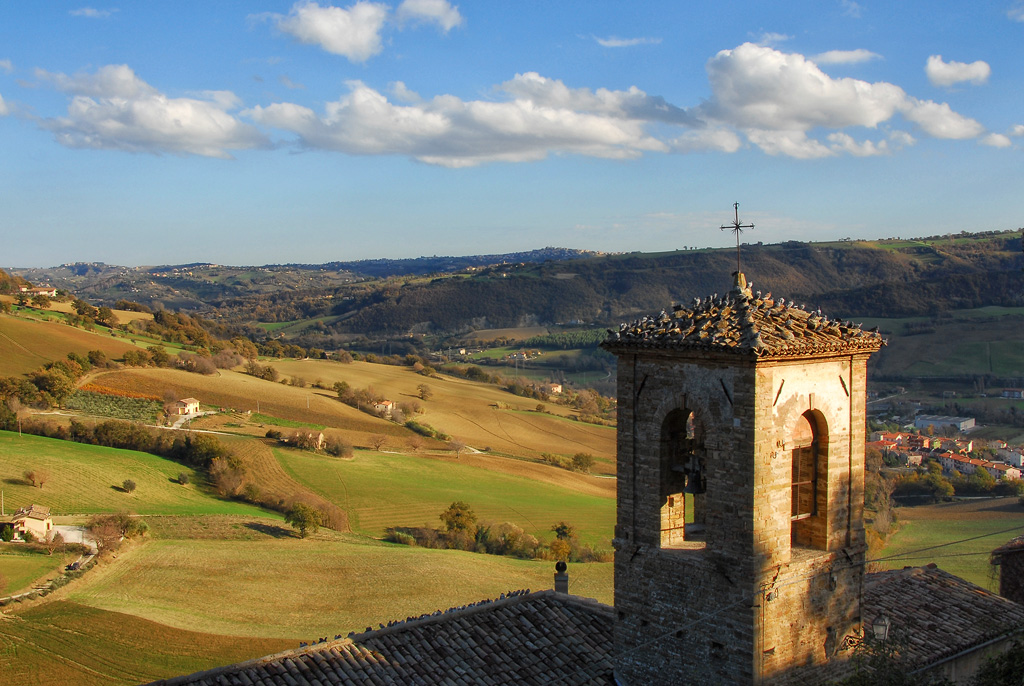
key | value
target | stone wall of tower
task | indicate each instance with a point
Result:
(814, 601)
(742, 605)
(683, 614)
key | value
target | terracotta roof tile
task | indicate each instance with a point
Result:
(743, 322)
(524, 638)
(936, 613)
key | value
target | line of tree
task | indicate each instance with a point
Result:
(462, 531)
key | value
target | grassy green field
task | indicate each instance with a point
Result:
(924, 528)
(303, 588)
(379, 490)
(86, 479)
(60, 643)
(20, 569)
(967, 342)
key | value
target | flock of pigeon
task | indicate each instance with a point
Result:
(744, 322)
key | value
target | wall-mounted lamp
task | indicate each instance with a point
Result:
(880, 628)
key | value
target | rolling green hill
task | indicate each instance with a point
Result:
(86, 479)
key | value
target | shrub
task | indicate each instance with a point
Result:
(28, 537)
(401, 537)
(7, 534)
(338, 447)
(183, 478)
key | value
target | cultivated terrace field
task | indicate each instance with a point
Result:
(27, 344)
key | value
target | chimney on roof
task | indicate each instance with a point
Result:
(561, 577)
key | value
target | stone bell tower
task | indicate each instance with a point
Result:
(739, 543)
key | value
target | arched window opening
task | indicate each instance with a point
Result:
(807, 445)
(683, 479)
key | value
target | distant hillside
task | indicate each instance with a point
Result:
(198, 285)
(10, 284)
(442, 295)
(885, 278)
(384, 268)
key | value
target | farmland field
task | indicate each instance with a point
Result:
(969, 342)
(21, 569)
(241, 392)
(302, 588)
(928, 526)
(470, 411)
(379, 490)
(85, 479)
(60, 643)
(26, 345)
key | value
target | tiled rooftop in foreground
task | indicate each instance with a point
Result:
(526, 638)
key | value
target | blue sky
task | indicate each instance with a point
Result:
(265, 132)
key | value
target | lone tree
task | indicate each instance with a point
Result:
(457, 447)
(305, 519)
(53, 541)
(583, 462)
(37, 477)
(128, 485)
(426, 393)
(378, 441)
(459, 517)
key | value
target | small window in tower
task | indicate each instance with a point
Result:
(806, 442)
(683, 480)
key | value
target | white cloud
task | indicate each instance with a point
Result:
(844, 142)
(996, 140)
(846, 56)
(772, 38)
(438, 12)
(777, 98)
(6, 66)
(3, 107)
(614, 42)
(1017, 130)
(114, 109)
(289, 84)
(783, 103)
(901, 139)
(707, 140)
(91, 13)
(791, 143)
(940, 121)
(949, 73)
(1016, 12)
(851, 8)
(761, 88)
(353, 33)
(451, 132)
(111, 81)
(401, 92)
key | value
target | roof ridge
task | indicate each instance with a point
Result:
(509, 598)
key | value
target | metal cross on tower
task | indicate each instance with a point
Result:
(737, 229)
